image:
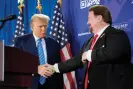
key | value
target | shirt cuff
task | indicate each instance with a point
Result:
(88, 56)
(56, 68)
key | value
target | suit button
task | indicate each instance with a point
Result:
(32, 74)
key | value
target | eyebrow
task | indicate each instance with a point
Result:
(43, 25)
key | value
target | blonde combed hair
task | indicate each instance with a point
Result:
(40, 17)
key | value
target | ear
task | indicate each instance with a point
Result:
(31, 26)
(99, 18)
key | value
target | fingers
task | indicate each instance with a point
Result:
(45, 70)
(84, 57)
(50, 67)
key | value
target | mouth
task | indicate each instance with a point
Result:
(43, 33)
(89, 26)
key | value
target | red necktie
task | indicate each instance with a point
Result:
(86, 75)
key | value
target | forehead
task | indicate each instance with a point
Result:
(91, 13)
(39, 21)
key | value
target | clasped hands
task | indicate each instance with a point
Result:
(46, 70)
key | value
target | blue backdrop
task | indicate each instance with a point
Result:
(75, 14)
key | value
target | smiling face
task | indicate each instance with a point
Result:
(98, 17)
(39, 28)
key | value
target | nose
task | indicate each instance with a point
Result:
(87, 22)
(43, 27)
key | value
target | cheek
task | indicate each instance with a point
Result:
(93, 23)
(36, 31)
(45, 30)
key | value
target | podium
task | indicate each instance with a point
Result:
(19, 67)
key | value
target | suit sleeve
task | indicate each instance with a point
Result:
(70, 64)
(73, 63)
(116, 46)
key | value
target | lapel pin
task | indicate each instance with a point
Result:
(103, 46)
(102, 35)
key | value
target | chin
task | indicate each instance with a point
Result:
(43, 36)
(90, 30)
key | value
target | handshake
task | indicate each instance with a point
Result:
(46, 70)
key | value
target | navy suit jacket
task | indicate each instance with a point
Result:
(27, 43)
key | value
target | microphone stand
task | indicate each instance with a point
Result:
(2, 25)
(10, 17)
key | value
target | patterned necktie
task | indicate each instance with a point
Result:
(41, 59)
(86, 75)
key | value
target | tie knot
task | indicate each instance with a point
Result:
(39, 40)
(95, 36)
(93, 41)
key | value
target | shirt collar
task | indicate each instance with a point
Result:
(36, 38)
(102, 30)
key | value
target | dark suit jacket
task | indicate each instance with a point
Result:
(27, 43)
(110, 67)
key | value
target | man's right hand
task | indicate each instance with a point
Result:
(45, 70)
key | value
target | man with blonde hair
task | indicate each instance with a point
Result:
(37, 43)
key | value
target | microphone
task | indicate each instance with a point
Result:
(10, 17)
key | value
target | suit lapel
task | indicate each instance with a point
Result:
(32, 47)
(87, 45)
(99, 40)
(47, 49)
(101, 37)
